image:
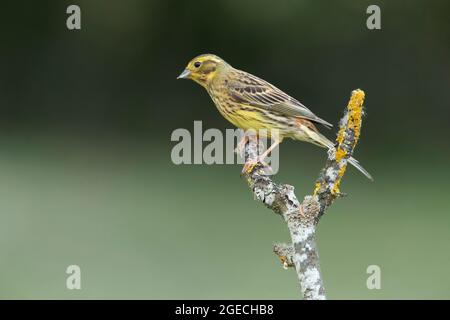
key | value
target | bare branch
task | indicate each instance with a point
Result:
(302, 219)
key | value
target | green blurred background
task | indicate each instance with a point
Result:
(86, 175)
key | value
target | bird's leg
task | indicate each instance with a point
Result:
(251, 163)
(241, 145)
(269, 150)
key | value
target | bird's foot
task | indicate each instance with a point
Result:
(251, 164)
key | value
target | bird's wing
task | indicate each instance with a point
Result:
(251, 90)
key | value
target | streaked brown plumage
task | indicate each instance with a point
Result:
(249, 102)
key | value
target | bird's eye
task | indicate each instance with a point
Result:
(197, 64)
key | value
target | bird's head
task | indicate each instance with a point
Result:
(203, 69)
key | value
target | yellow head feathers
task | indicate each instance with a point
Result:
(203, 68)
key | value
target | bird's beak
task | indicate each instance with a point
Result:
(185, 74)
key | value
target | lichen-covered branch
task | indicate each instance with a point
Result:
(302, 218)
(327, 185)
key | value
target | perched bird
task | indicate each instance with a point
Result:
(249, 102)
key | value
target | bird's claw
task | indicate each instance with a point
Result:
(249, 166)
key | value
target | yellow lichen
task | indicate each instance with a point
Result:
(353, 122)
(342, 171)
(316, 188)
(335, 189)
(340, 136)
(340, 153)
(354, 115)
(355, 112)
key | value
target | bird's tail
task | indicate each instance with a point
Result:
(322, 141)
(361, 169)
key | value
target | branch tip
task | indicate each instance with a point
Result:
(328, 183)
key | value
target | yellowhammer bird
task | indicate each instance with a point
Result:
(249, 102)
